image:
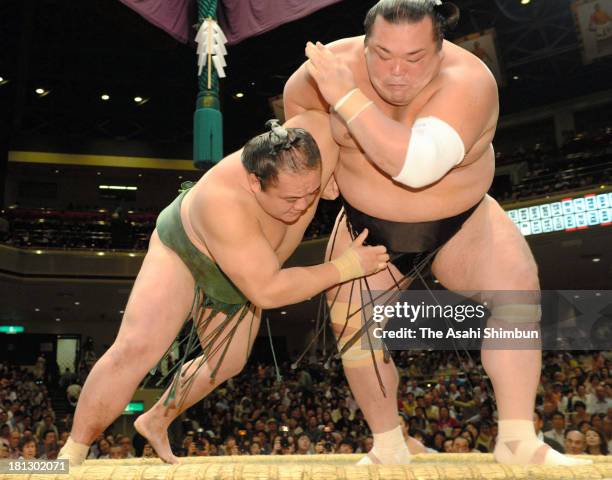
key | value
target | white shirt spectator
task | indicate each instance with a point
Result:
(556, 436)
(596, 405)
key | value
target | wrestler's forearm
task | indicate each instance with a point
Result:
(384, 140)
(296, 284)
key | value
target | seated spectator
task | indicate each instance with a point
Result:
(48, 445)
(304, 445)
(484, 440)
(126, 443)
(255, 448)
(583, 426)
(46, 424)
(598, 402)
(4, 453)
(27, 448)
(595, 443)
(445, 421)
(537, 423)
(597, 422)
(103, 449)
(116, 452)
(580, 396)
(461, 444)
(449, 445)
(574, 442)
(148, 452)
(438, 442)
(346, 445)
(408, 405)
(579, 414)
(5, 434)
(194, 451)
(557, 433)
(13, 445)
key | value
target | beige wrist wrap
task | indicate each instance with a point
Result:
(351, 105)
(349, 265)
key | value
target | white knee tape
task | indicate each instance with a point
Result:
(518, 313)
(356, 355)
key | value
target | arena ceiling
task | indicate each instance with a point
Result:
(80, 50)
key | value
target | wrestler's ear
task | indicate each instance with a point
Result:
(254, 183)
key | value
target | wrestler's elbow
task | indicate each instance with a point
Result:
(265, 296)
(261, 299)
(266, 302)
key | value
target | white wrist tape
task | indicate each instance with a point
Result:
(435, 147)
(351, 105)
(343, 100)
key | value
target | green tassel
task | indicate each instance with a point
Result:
(207, 137)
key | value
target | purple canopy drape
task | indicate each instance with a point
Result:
(239, 19)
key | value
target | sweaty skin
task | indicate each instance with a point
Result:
(407, 75)
(358, 176)
(233, 237)
(249, 233)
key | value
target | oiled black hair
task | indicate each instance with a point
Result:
(291, 149)
(444, 16)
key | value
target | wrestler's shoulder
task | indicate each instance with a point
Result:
(307, 119)
(463, 68)
(218, 194)
(347, 48)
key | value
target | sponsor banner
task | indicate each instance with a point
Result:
(594, 23)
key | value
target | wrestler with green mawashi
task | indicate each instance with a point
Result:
(216, 257)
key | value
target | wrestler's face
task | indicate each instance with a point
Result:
(291, 195)
(401, 59)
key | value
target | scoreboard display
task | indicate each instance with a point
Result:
(567, 214)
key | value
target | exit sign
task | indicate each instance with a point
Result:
(134, 407)
(11, 329)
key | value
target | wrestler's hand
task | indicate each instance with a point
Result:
(359, 260)
(373, 259)
(333, 76)
(331, 191)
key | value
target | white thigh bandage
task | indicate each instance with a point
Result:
(435, 147)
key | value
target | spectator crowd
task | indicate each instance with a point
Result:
(445, 405)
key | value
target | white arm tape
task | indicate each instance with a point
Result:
(435, 147)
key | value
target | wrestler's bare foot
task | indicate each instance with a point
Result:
(156, 434)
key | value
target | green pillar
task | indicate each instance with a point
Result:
(207, 119)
